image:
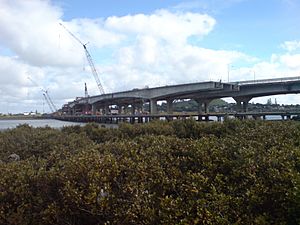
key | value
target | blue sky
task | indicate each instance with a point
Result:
(96, 9)
(253, 26)
(138, 43)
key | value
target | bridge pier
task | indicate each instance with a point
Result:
(120, 109)
(139, 107)
(132, 109)
(242, 103)
(94, 110)
(170, 106)
(203, 104)
(106, 109)
(153, 106)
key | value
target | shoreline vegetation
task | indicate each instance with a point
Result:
(179, 172)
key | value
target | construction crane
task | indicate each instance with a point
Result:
(46, 96)
(90, 60)
(49, 102)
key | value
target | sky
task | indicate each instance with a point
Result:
(141, 43)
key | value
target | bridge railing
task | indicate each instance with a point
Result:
(264, 81)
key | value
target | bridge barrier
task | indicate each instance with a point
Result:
(265, 81)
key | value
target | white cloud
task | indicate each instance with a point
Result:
(91, 31)
(291, 45)
(291, 61)
(139, 49)
(30, 30)
(171, 27)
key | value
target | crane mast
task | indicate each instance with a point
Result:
(46, 96)
(49, 102)
(90, 61)
(86, 94)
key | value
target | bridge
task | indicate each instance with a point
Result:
(202, 92)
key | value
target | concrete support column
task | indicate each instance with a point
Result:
(125, 107)
(200, 103)
(132, 109)
(239, 105)
(245, 106)
(153, 106)
(139, 107)
(170, 106)
(242, 103)
(203, 108)
(94, 109)
(206, 104)
(106, 109)
(206, 109)
(69, 111)
(120, 109)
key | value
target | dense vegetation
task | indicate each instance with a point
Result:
(182, 172)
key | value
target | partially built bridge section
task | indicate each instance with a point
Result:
(203, 93)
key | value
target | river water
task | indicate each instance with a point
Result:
(7, 124)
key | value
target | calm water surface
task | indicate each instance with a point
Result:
(6, 124)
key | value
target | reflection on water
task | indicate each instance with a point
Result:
(6, 124)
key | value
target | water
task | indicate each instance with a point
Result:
(8, 124)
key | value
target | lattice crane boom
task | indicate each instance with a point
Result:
(90, 61)
(46, 96)
(49, 103)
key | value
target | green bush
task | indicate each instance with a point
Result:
(40, 142)
(181, 172)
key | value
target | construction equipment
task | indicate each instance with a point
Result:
(86, 94)
(90, 60)
(46, 96)
(49, 102)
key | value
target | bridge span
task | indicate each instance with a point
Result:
(202, 92)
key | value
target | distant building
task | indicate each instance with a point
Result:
(29, 113)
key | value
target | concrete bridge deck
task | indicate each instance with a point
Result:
(242, 92)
